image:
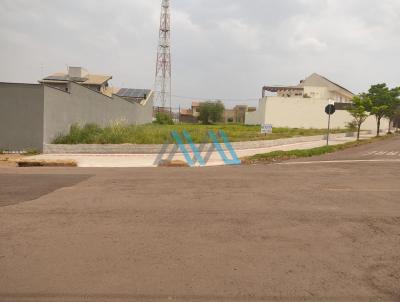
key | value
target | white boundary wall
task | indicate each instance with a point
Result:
(303, 113)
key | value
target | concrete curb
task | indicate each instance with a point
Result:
(162, 149)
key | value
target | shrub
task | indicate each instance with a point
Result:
(163, 118)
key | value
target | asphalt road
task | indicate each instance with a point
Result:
(327, 229)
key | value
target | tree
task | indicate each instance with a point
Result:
(359, 112)
(380, 96)
(211, 112)
(392, 111)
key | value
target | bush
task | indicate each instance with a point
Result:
(80, 135)
(163, 118)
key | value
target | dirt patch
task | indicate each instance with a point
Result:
(173, 164)
(10, 160)
(46, 163)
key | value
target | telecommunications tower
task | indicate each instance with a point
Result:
(163, 69)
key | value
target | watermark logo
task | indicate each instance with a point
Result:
(194, 155)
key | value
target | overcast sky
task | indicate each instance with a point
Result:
(226, 49)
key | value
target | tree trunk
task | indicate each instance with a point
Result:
(378, 130)
(358, 132)
(390, 126)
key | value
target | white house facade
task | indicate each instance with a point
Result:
(303, 106)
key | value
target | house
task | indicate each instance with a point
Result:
(33, 115)
(79, 75)
(196, 109)
(303, 105)
(315, 87)
(186, 116)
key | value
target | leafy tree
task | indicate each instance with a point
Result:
(393, 109)
(163, 118)
(211, 112)
(380, 96)
(359, 112)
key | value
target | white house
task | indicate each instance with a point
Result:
(303, 106)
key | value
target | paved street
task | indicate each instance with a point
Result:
(325, 229)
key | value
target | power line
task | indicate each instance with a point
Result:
(214, 99)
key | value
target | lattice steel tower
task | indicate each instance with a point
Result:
(163, 69)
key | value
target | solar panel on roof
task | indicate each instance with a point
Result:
(133, 93)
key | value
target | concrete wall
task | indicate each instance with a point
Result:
(21, 117)
(81, 105)
(304, 113)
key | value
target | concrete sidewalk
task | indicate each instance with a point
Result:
(211, 157)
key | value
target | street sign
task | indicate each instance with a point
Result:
(266, 129)
(330, 109)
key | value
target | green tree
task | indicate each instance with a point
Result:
(211, 112)
(380, 96)
(393, 109)
(359, 112)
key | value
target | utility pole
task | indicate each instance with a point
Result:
(163, 66)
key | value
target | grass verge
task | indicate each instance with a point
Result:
(160, 134)
(277, 156)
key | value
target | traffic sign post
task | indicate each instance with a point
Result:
(329, 110)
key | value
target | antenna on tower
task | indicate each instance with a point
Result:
(163, 69)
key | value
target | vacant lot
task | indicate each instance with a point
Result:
(160, 134)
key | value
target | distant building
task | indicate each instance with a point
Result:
(186, 116)
(196, 109)
(190, 115)
(303, 105)
(237, 115)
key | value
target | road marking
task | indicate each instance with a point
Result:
(363, 190)
(343, 161)
(386, 153)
